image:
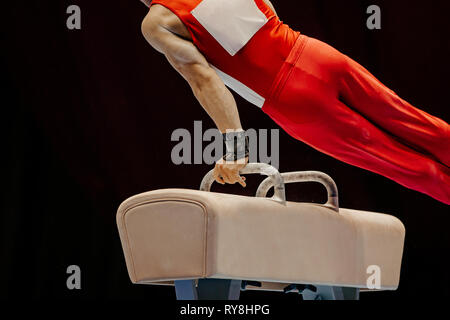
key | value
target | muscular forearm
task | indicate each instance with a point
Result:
(206, 85)
(213, 95)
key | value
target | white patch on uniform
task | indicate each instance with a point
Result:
(240, 88)
(231, 22)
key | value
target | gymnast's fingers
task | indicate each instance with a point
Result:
(227, 177)
(241, 181)
(217, 177)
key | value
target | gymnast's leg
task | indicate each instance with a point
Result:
(349, 137)
(364, 93)
(309, 108)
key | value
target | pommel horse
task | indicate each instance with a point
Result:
(212, 246)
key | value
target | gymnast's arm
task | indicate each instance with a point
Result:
(206, 85)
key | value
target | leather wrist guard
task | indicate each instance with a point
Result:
(236, 146)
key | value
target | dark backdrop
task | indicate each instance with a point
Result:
(87, 120)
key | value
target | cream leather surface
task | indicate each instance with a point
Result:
(176, 234)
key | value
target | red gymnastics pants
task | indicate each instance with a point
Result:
(330, 102)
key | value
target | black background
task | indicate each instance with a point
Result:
(88, 115)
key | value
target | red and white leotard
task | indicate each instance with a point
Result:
(319, 95)
(247, 50)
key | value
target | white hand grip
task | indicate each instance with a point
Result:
(306, 176)
(274, 178)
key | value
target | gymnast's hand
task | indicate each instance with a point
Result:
(228, 171)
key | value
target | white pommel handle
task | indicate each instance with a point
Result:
(274, 177)
(306, 176)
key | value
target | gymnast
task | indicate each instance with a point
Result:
(315, 93)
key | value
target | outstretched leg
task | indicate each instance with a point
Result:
(349, 137)
(308, 107)
(361, 91)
